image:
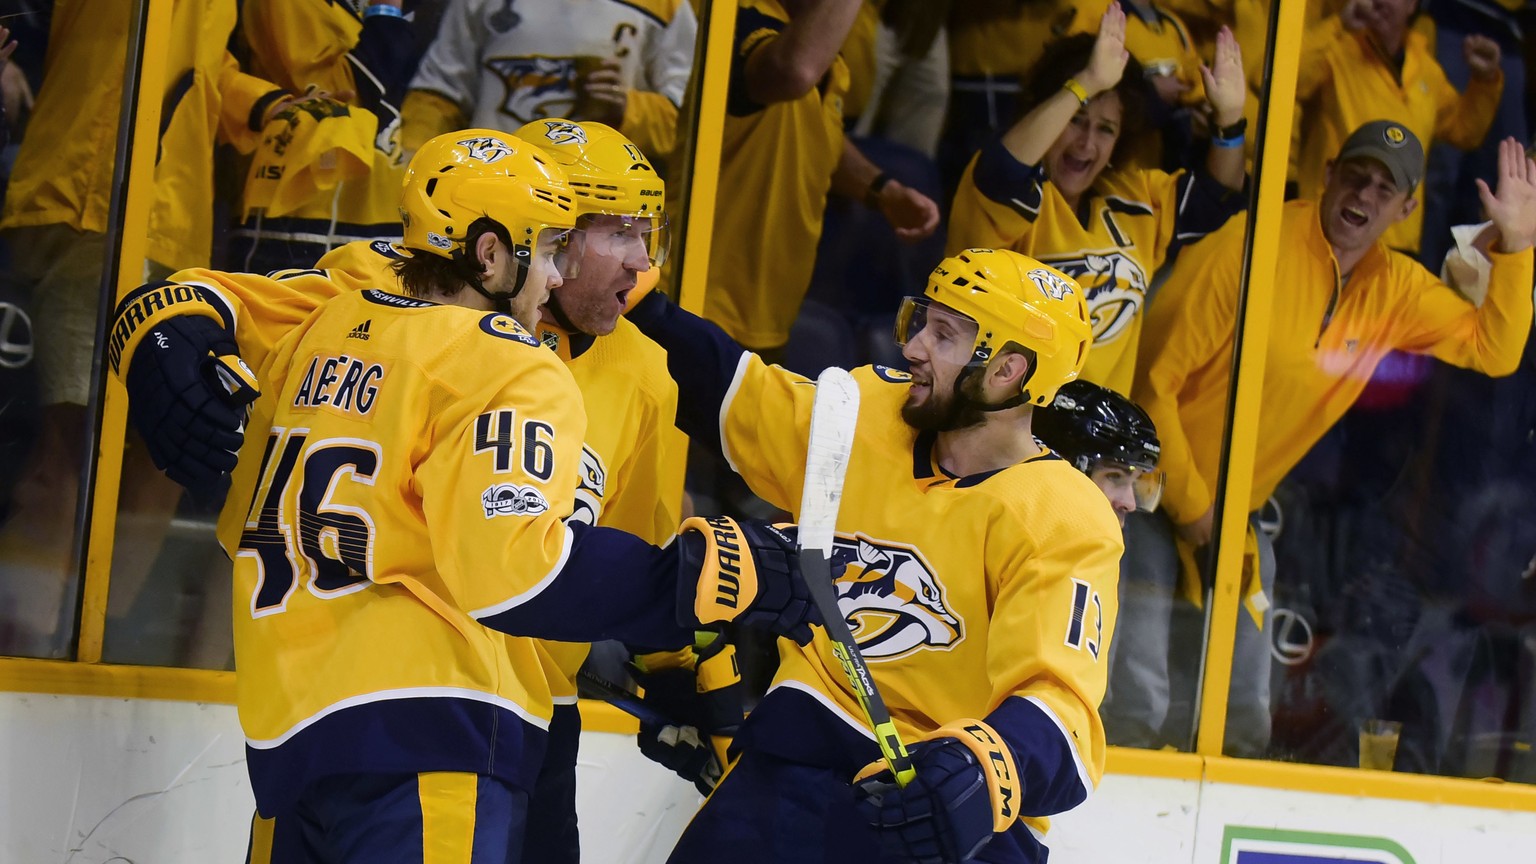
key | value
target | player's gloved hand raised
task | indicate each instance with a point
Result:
(747, 572)
(700, 690)
(964, 792)
(187, 392)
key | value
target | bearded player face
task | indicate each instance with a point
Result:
(937, 343)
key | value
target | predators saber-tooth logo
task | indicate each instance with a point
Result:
(1116, 289)
(1050, 284)
(564, 132)
(536, 87)
(487, 150)
(892, 600)
(591, 488)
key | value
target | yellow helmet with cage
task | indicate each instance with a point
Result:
(461, 177)
(1015, 301)
(608, 175)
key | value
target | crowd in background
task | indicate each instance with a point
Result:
(862, 141)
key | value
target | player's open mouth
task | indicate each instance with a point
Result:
(623, 296)
(1354, 216)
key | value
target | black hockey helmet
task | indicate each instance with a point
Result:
(1091, 426)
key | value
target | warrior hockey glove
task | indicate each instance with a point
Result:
(965, 791)
(747, 572)
(187, 392)
(700, 690)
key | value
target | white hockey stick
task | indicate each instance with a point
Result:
(833, 418)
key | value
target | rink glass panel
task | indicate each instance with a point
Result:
(63, 249)
(169, 603)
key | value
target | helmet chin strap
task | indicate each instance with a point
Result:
(963, 400)
(501, 302)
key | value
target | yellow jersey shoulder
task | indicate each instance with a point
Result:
(365, 263)
(1048, 494)
(628, 353)
(436, 336)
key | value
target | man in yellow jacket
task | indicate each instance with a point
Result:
(1366, 63)
(1346, 300)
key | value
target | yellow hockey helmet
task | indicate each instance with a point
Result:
(459, 177)
(608, 175)
(1016, 302)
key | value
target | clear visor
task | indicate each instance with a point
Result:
(1130, 483)
(547, 257)
(945, 325)
(639, 242)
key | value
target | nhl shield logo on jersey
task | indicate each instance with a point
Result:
(894, 603)
(564, 132)
(508, 499)
(487, 150)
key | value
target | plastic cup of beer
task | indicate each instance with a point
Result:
(1378, 743)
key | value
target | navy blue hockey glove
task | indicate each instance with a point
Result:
(747, 572)
(965, 791)
(699, 690)
(187, 392)
(685, 751)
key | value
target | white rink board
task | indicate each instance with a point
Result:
(92, 780)
(1129, 819)
(89, 780)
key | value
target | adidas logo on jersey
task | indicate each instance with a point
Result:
(361, 330)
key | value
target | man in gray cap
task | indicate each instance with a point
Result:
(1343, 301)
(1370, 188)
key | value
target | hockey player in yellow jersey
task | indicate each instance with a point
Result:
(632, 459)
(415, 459)
(1046, 187)
(980, 582)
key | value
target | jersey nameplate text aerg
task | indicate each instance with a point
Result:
(341, 383)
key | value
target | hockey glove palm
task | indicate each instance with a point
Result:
(747, 572)
(965, 791)
(187, 392)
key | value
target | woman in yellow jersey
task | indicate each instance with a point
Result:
(1048, 188)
